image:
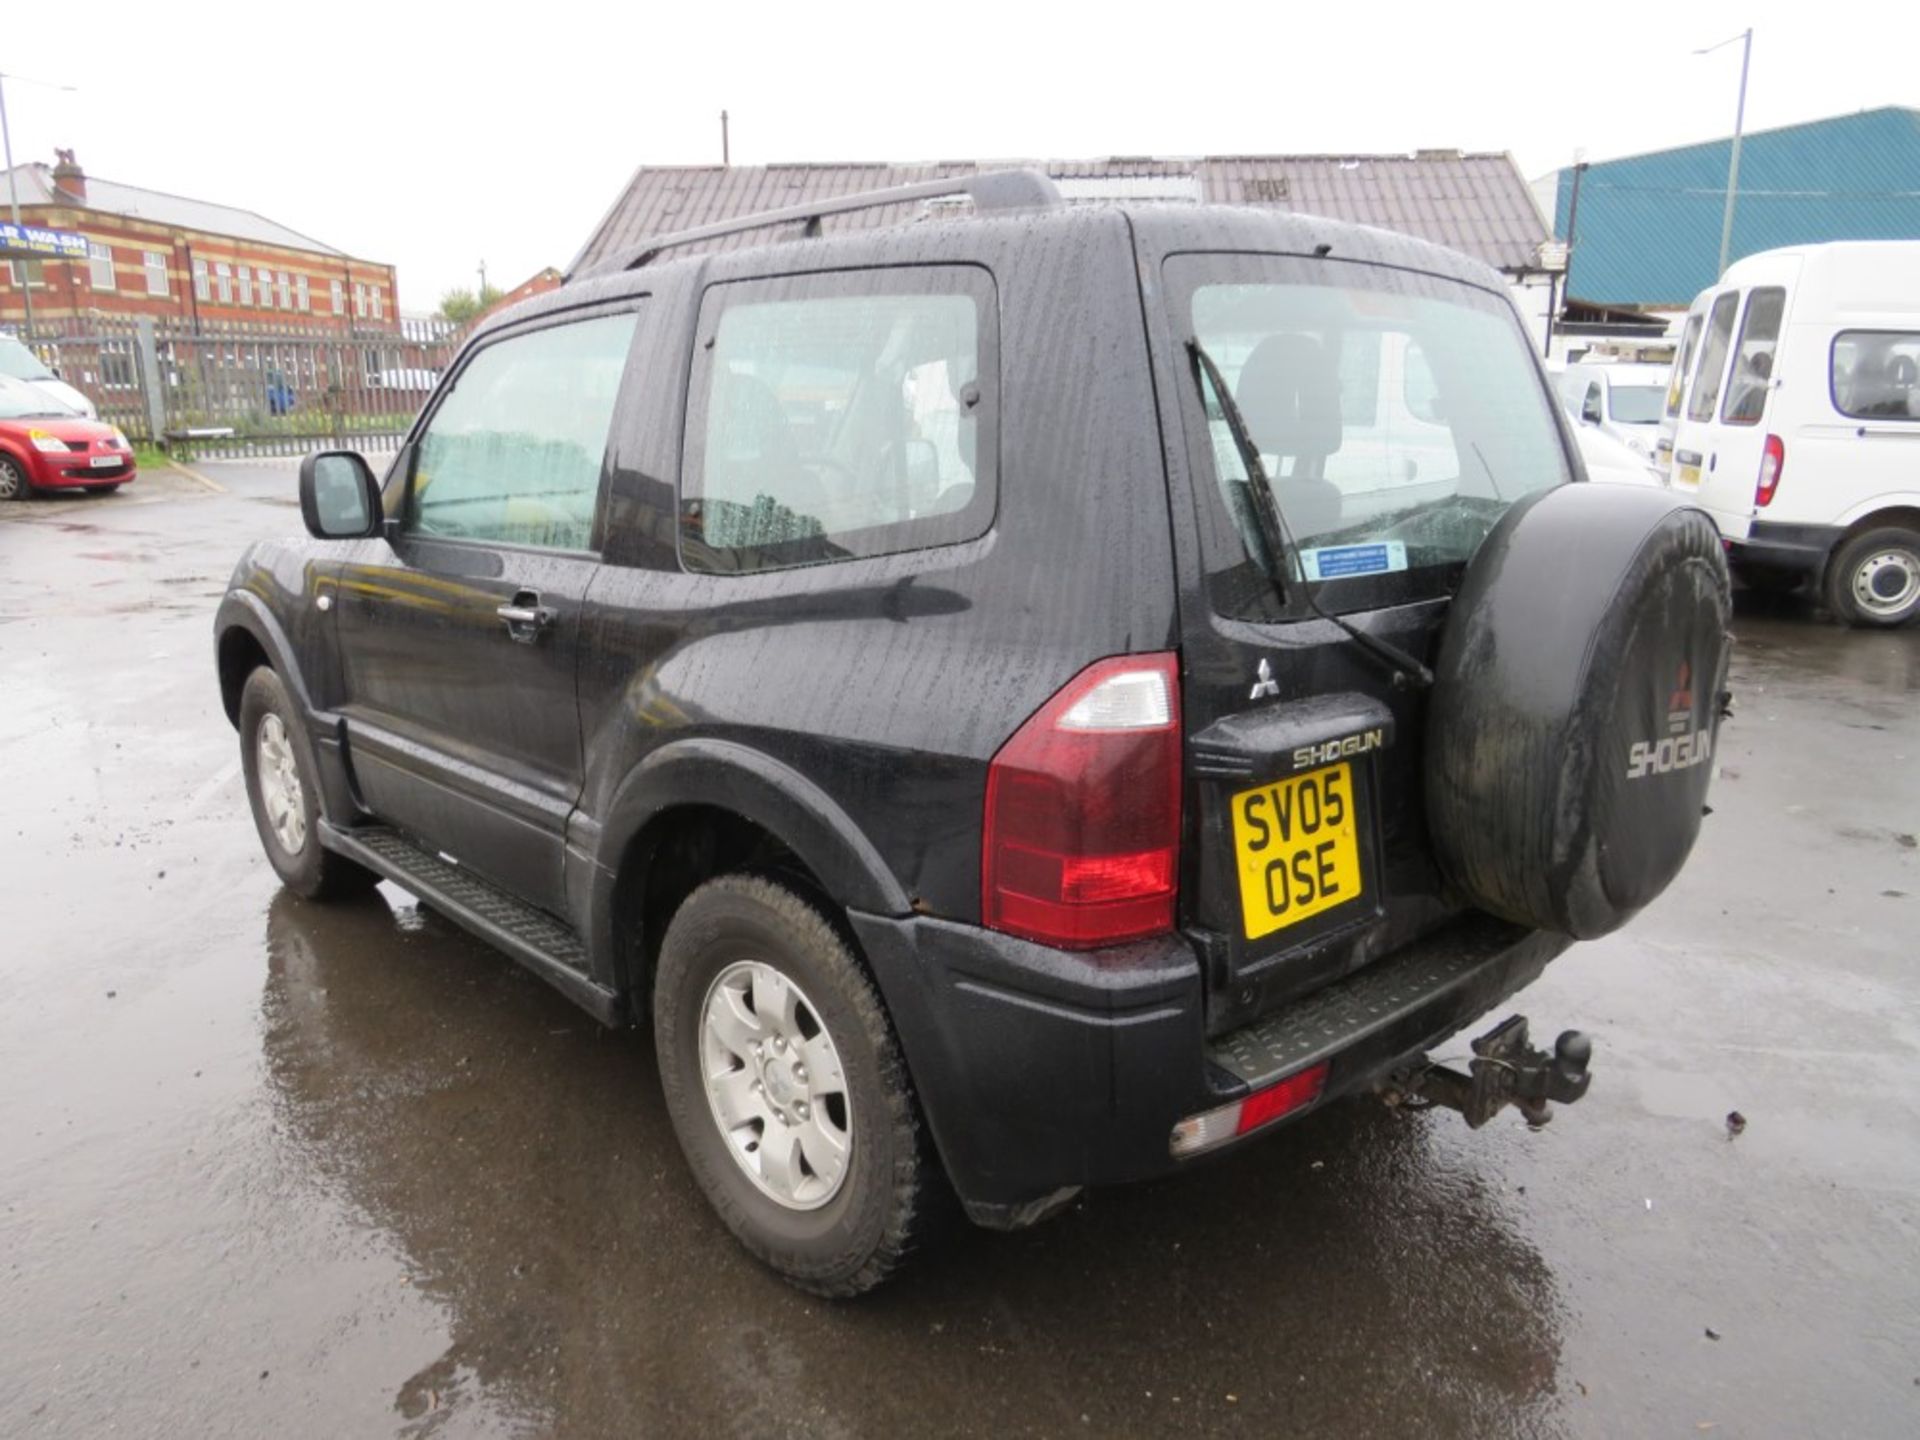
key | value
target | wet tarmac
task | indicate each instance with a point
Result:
(272, 1168)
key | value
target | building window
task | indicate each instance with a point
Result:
(116, 365)
(246, 285)
(286, 291)
(26, 274)
(156, 262)
(339, 298)
(379, 301)
(100, 263)
(223, 281)
(300, 287)
(201, 290)
(359, 300)
(266, 289)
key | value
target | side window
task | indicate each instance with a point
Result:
(836, 416)
(513, 453)
(1677, 382)
(1753, 357)
(1713, 358)
(1875, 374)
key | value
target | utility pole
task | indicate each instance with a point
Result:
(1745, 38)
(13, 185)
(483, 281)
(726, 153)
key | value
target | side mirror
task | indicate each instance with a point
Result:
(339, 498)
(1590, 409)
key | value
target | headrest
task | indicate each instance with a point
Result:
(1290, 396)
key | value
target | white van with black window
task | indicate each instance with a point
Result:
(1794, 410)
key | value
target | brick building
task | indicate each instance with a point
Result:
(168, 257)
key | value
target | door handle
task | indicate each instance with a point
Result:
(527, 619)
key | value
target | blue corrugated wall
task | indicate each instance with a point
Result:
(1650, 224)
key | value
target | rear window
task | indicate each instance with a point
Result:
(1397, 416)
(1753, 357)
(838, 416)
(1677, 382)
(1713, 358)
(1875, 374)
(1635, 404)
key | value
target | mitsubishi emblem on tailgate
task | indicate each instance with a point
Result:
(1264, 686)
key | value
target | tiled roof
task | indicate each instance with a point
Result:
(1475, 203)
(1649, 225)
(35, 182)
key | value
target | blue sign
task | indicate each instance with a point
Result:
(33, 240)
(1338, 562)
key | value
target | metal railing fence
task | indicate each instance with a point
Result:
(249, 390)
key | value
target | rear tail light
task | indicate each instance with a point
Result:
(1772, 461)
(1229, 1122)
(1082, 836)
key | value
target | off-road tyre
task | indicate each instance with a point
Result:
(312, 871)
(1870, 559)
(13, 481)
(892, 1192)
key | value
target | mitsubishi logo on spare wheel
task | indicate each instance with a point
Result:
(1684, 746)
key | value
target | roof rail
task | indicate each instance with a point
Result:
(990, 190)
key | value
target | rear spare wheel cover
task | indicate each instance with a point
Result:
(1572, 725)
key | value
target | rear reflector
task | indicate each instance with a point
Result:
(1081, 842)
(1264, 1106)
(1772, 461)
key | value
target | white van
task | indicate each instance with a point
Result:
(1794, 415)
(1622, 399)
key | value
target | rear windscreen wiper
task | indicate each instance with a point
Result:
(1276, 538)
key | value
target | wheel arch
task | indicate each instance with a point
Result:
(247, 636)
(701, 807)
(1905, 517)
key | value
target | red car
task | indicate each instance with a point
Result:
(46, 446)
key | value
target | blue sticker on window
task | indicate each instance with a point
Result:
(1338, 562)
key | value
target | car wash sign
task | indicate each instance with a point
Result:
(32, 240)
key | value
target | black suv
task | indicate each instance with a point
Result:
(1017, 700)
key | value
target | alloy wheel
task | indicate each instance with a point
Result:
(775, 1085)
(280, 791)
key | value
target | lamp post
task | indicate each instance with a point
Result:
(1745, 37)
(13, 182)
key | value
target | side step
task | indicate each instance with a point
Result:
(533, 937)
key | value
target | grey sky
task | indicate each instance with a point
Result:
(436, 136)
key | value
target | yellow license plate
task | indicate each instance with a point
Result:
(1687, 475)
(1296, 845)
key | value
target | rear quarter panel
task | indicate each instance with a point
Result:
(889, 682)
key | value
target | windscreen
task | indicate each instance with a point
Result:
(19, 401)
(20, 362)
(1397, 416)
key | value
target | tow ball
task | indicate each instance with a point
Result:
(1505, 1070)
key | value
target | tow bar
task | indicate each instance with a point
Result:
(1505, 1070)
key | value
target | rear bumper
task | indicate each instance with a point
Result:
(1041, 1071)
(1803, 548)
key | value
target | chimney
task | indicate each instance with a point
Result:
(69, 180)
